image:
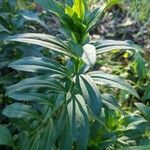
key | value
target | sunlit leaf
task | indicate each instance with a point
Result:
(110, 80)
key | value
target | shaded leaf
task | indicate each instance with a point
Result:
(41, 82)
(5, 136)
(90, 93)
(52, 6)
(79, 121)
(145, 110)
(18, 110)
(110, 102)
(147, 93)
(144, 147)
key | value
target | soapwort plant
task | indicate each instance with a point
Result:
(56, 104)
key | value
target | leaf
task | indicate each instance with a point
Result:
(145, 110)
(144, 147)
(93, 18)
(52, 6)
(89, 56)
(110, 80)
(48, 137)
(139, 66)
(31, 16)
(69, 2)
(5, 136)
(18, 110)
(44, 40)
(35, 83)
(41, 98)
(110, 102)
(78, 9)
(135, 129)
(90, 93)
(3, 29)
(65, 138)
(39, 65)
(147, 93)
(7, 79)
(109, 45)
(78, 114)
(4, 23)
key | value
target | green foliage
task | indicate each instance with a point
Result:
(59, 105)
(5, 138)
(139, 9)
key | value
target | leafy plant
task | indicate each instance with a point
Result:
(57, 104)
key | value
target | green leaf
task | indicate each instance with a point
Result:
(4, 23)
(144, 147)
(41, 98)
(77, 9)
(145, 110)
(5, 136)
(69, 2)
(48, 137)
(110, 102)
(110, 80)
(52, 6)
(35, 83)
(90, 93)
(64, 131)
(44, 40)
(93, 18)
(110, 45)
(139, 66)
(7, 79)
(147, 93)
(39, 65)
(31, 16)
(18, 110)
(78, 114)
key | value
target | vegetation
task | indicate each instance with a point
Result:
(53, 94)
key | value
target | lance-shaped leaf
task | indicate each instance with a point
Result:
(69, 2)
(90, 93)
(33, 17)
(77, 9)
(41, 98)
(143, 147)
(52, 6)
(78, 114)
(110, 80)
(64, 131)
(18, 110)
(48, 136)
(39, 65)
(5, 136)
(110, 102)
(145, 110)
(109, 45)
(94, 17)
(35, 83)
(44, 40)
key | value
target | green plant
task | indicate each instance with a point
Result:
(56, 105)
